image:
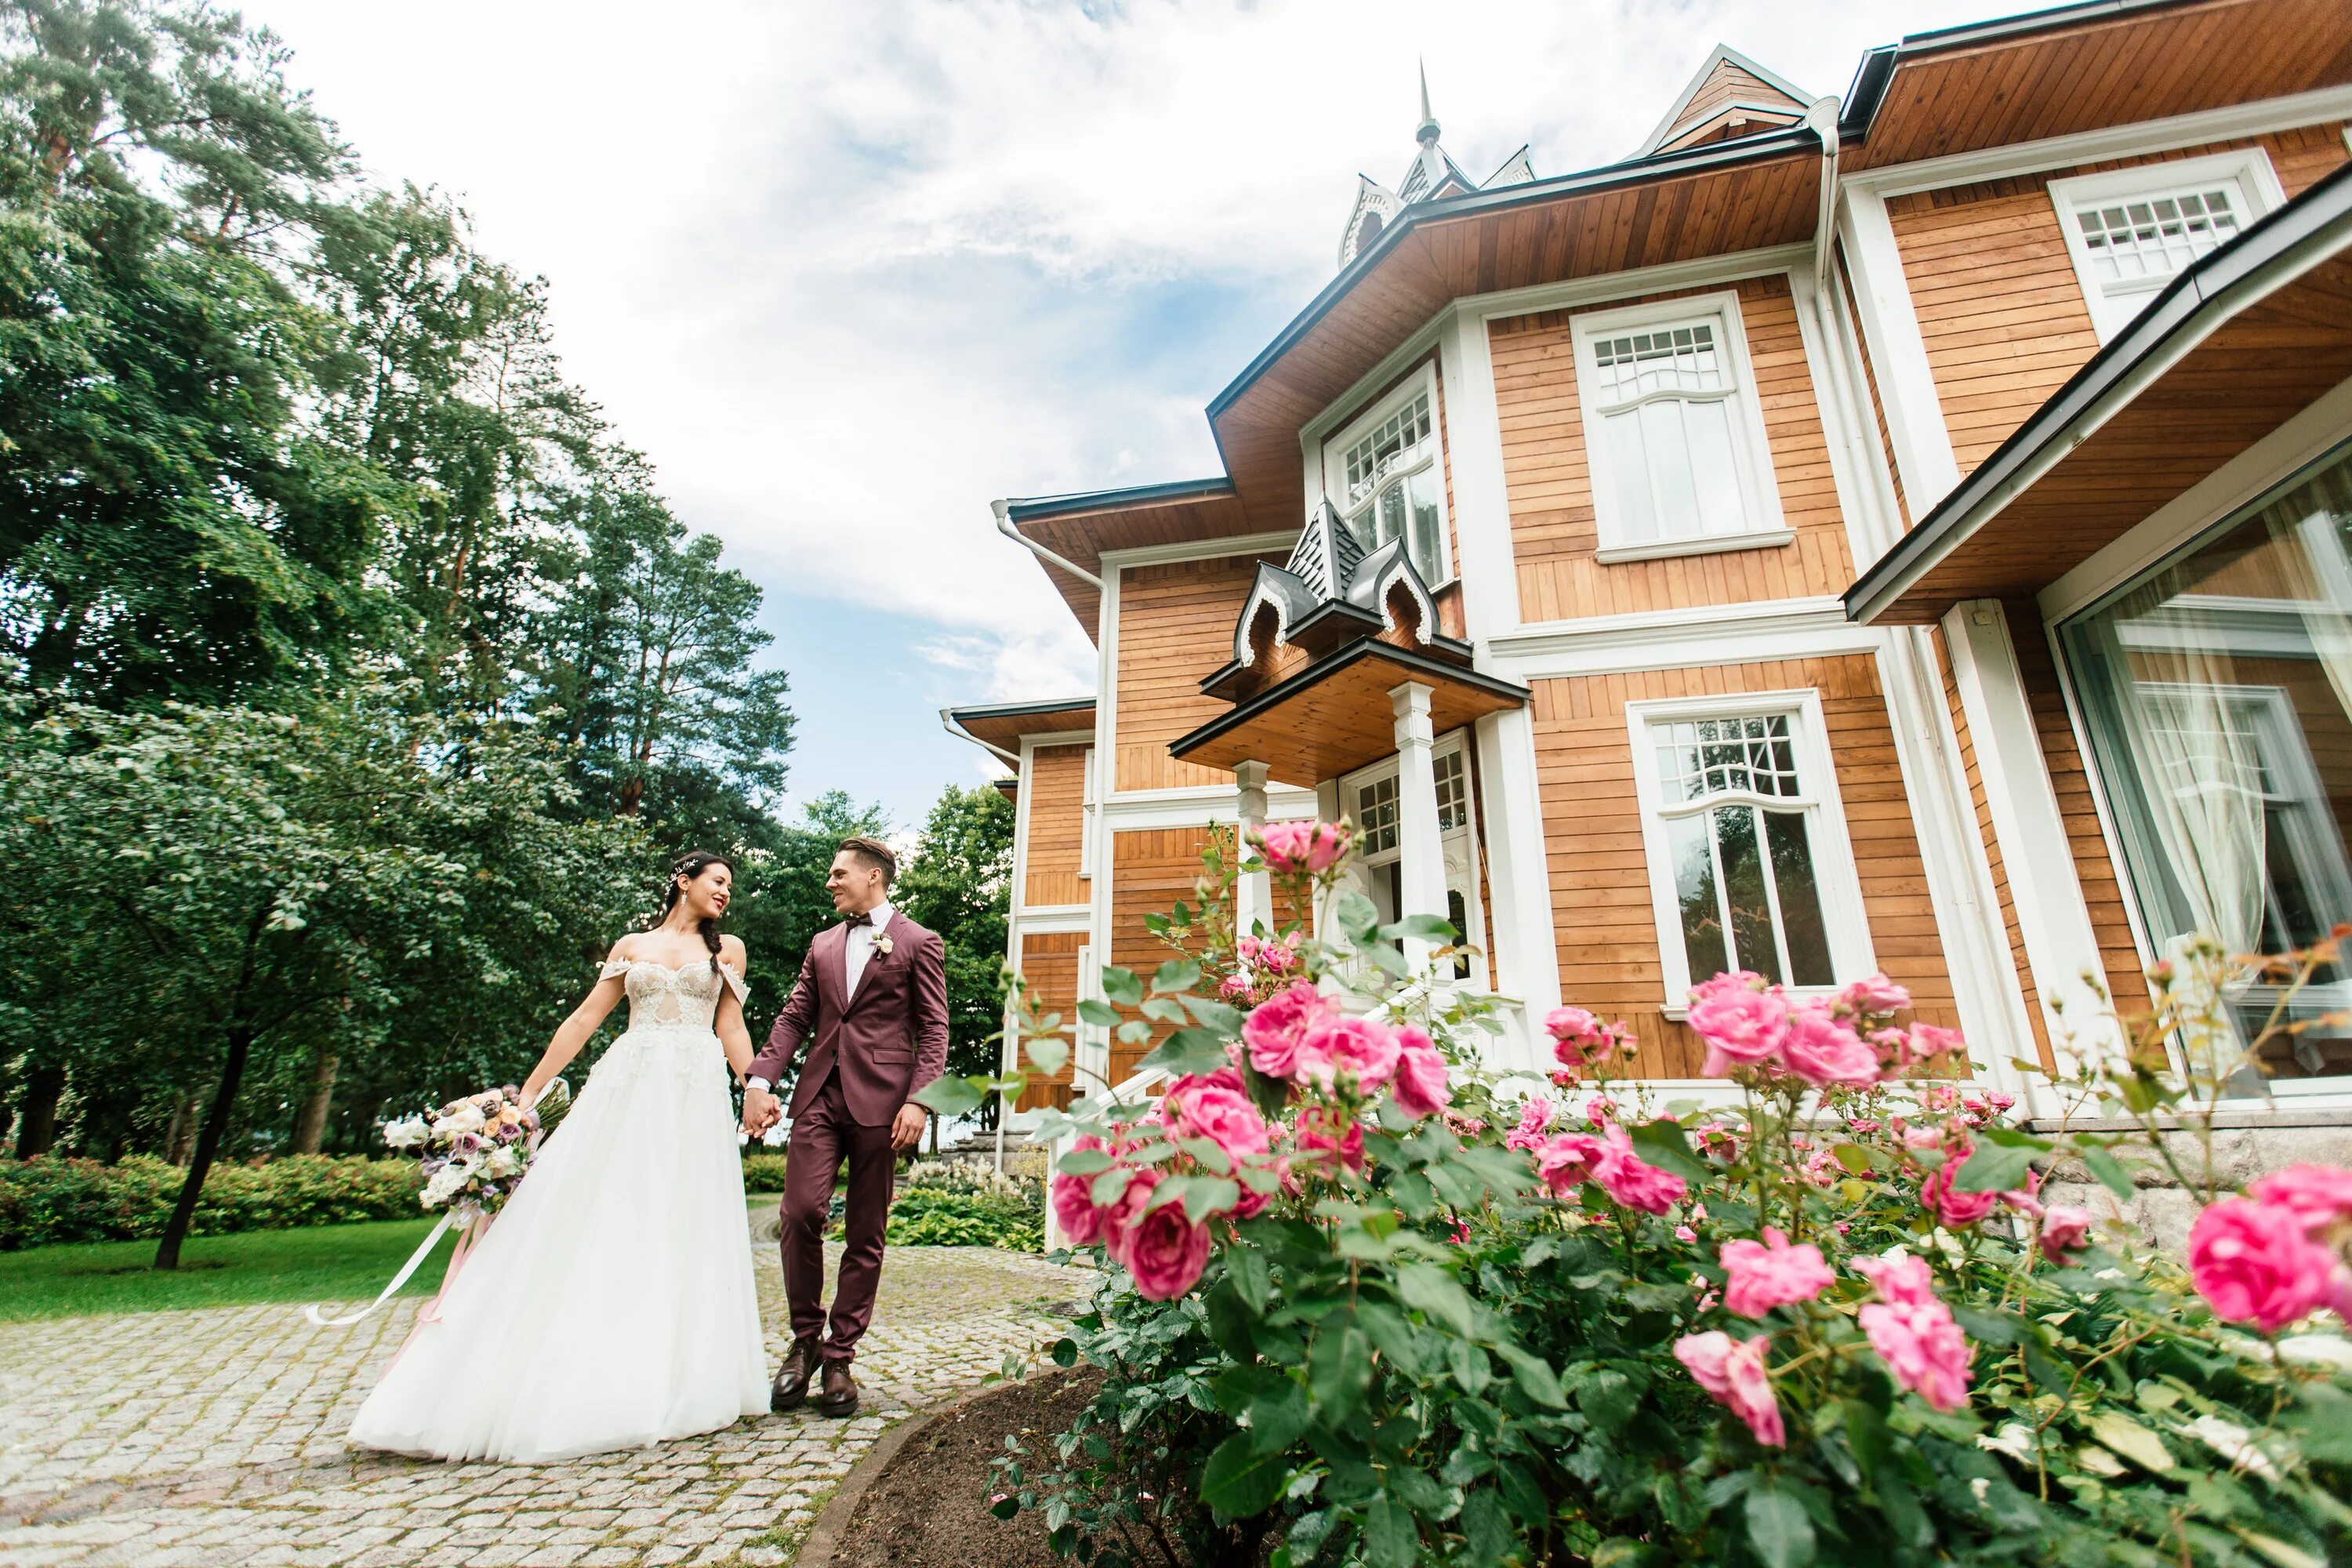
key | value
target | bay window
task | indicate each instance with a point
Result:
(1387, 477)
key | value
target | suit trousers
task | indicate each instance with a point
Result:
(822, 1138)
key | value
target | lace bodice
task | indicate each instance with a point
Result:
(663, 997)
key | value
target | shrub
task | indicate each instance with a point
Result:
(1368, 1305)
(52, 1200)
(950, 1204)
(763, 1171)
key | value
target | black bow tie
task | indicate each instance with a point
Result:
(855, 920)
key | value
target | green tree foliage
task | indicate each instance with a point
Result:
(958, 882)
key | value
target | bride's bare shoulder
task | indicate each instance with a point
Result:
(627, 945)
(731, 954)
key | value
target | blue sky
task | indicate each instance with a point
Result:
(847, 272)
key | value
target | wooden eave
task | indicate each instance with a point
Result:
(1081, 528)
(2236, 346)
(2084, 68)
(1724, 197)
(1335, 716)
(999, 726)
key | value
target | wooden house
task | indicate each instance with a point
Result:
(1905, 532)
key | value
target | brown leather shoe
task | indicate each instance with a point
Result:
(792, 1384)
(840, 1395)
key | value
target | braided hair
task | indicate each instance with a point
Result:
(684, 870)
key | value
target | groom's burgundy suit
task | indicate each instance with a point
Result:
(872, 1048)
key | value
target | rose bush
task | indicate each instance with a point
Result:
(1370, 1303)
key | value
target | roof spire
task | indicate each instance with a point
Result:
(1426, 132)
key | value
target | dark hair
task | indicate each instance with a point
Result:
(875, 853)
(690, 865)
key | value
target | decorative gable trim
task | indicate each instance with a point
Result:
(1719, 60)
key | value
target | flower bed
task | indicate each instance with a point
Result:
(1368, 1304)
(51, 1200)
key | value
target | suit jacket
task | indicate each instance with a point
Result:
(887, 1041)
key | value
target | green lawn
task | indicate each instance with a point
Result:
(324, 1263)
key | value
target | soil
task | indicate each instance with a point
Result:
(929, 1508)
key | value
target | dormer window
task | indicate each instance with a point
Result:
(1384, 473)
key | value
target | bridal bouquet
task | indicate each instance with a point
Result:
(474, 1150)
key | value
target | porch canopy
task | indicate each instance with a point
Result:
(2239, 344)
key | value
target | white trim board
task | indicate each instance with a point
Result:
(1811, 627)
(1890, 331)
(1042, 919)
(1198, 550)
(2143, 137)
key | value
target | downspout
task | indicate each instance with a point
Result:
(1003, 511)
(1823, 118)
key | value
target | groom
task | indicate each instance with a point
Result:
(873, 996)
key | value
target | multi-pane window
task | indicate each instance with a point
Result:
(1392, 486)
(1674, 432)
(1376, 817)
(1736, 816)
(2132, 231)
(1452, 796)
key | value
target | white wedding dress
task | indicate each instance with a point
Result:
(611, 1305)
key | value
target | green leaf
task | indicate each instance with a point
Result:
(952, 1097)
(1993, 1169)
(1438, 1293)
(1853, 1157)
(1134, 1032)
(1187, 1051)
(1110, 1187)
(1247, 1267)
(1084, 1162)
(1279, 1416)
(1387, 959)
(1048, 1054)
(1211, 1015)
(1176, 974)
(1992, 1328)
(2118, 1433)
(1122, 987)
(1865, 1433)
(1901, 1508)
(1779, 1528)
(1355, 916)
(1339, 1370)
(2110, 1170)
(1229, 1323)
(1101, 1014)
(1663, 1144)
(1209, 1152)
(1535, 1378)
(1239, 1480)
(1484, 1522)
(1391, 1538)
(1160, 1010)
(1206, 1195)
(1066, 1352)
(1426, 928)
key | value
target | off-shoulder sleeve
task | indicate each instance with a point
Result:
(613, 966)
(735, 983)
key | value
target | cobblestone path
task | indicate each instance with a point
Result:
(200, 1439)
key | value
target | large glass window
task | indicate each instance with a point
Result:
(2218, 695)
(1391, 484)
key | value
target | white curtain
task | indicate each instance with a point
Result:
(2307, 545)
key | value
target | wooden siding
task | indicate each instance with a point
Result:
(1608, 939)
(2001, 308)
(1554, 534)
(1175, 628)
(1049, 962)
(1055, 802)
(1877, 402)
(2070, 780)
(1150, 872)
(1982, 804)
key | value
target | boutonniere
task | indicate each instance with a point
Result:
(882, 944)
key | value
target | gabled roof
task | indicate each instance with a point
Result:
(1727, 80)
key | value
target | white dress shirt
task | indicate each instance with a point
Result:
(861, 944)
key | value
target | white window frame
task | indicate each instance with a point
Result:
(1752, 452)
(1335, 464)
(2246, 173)
(1452, 743)
(1086, 814)
(1834, 875)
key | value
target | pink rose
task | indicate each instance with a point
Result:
(1923, 1348)
(1874, 994)
(1577, 1037)
(1232, 986)
(1118, 1216)
(1741, 1025)
(2320, 1197)
(1931, 1044)
(2256, 1265)
(1823, 1051)
(1771, 1273)
(1165, 1252)
(1364, 1049)
(1953, 1209)
(1081, 1224)
(1216, 1107)
(1535, 1120)
(1635, 1185)
(1732, 1372)
(2064, 1229)
(1318, 1136)
(1419, 1085)
(1292, 846)
(1275, 1027)
(1566, 1161)
(1684, 1233)
(1903, 1279)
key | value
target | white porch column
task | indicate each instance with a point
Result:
(1421, 854)
(1253, 895)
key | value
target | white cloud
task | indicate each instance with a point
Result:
(846, 271)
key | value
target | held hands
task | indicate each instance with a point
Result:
(907, 1127)
(761, 1110)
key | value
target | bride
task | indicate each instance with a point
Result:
(611, 1304)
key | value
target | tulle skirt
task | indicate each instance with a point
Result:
(611, 1304)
